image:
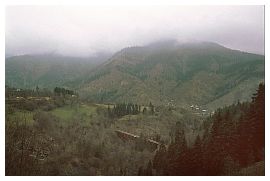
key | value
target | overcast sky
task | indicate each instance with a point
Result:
(84, 31)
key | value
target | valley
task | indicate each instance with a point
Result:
(85, 130)
(134, 89)
(161, 109)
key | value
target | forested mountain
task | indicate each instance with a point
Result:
(234, 141)
(202, 73)
(47, 70)
(144, 111)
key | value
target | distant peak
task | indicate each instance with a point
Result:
(163, 43)
(175, 43)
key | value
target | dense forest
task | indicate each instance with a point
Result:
(234, 140)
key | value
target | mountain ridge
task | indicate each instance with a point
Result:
(203, 73)
(47, 70)
(172, 70)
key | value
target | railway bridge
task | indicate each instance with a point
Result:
(132, 137)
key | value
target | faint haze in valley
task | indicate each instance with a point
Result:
(88, 30)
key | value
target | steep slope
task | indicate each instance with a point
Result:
(202, 73)
(28, 71)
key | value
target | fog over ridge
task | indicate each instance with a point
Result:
(88, 30)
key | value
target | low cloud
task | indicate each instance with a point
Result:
(85, 31)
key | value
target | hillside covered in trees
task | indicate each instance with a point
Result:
(64, 136)
(203, 73)
(234, 140)
(134, 90)
(48, 70)
(151, 110)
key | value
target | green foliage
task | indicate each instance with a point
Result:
(193, 73)
(62, 91)
(97, 76)
(12, 92)
(29, 105)
(123, 109)
(80, 141)
(42, 99)
(44, 121)
(28, 71)
(235, 141)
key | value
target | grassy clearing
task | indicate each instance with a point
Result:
(64, 113)
(21, 116)
(68, 112)
(88, 109)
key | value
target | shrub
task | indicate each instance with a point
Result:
(59, 102)
(44, 121)
(9, 109)
(48, 107)
(29, 105)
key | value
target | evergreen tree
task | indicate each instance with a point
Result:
(148, 171)
(141, 171)
(37, 89)
(160, 160)
(144, 110)
(152, 108)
